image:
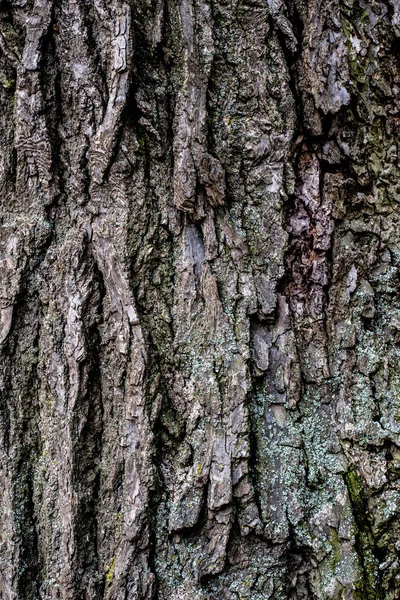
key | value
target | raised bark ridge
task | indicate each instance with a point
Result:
(199, 309)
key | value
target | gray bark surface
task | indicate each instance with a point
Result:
(199, 300)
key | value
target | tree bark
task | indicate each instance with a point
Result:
(199, 299)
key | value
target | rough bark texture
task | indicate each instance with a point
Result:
(199, 299)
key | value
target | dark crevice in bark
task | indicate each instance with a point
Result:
(50, 82)
(87, 453)
(25, 434)
(29, 566)
(253, 447)
(159, 486)
(298, 558)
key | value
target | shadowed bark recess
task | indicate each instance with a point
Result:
(199, 300)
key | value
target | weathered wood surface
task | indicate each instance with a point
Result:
(199, 299)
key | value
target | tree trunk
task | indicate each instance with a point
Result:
(199, 299)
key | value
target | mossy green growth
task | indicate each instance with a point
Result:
(110, 572)
(8, 83)
(347, 28)
(368, 588)
(356, 490)
(336, 548)
(13, 36)
(8, 79)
